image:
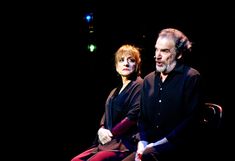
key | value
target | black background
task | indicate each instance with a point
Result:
(59, 87)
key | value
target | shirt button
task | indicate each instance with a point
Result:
(160, 101)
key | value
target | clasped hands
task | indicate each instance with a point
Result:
(104, 135)
(142, 145)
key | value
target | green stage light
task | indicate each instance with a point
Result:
(92, 47)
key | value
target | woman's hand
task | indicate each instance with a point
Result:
(105, 135)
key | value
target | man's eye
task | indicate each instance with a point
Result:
(166, 50)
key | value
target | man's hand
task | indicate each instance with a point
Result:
(162, 141)
(140, 149)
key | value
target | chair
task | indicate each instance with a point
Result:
(211, 133)
(212, 115)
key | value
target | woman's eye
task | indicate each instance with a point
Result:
(132, 60)
(121, 60)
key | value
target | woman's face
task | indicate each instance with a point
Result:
(126, 65)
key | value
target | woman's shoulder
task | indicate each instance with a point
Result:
(138, 81)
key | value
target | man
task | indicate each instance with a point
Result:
(170, 101)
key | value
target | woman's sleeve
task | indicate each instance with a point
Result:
(122, 126)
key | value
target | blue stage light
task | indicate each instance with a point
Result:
(89, 17)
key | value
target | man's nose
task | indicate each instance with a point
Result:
(157, 56)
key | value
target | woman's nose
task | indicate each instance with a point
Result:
(126, 62)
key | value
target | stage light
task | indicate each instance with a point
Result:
(89, 17)
(91, 47)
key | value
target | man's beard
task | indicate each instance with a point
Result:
(166, 68)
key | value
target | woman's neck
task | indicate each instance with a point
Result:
(125, 82)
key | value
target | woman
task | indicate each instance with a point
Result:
(118, 124)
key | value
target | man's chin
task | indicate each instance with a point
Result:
(160, 69)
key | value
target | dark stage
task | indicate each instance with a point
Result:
(69, 84)
(90, 76)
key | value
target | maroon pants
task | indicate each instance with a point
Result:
(91, 155)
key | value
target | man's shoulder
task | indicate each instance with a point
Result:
(192, 71)
(150, 75)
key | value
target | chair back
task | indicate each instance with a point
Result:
(212, 116)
